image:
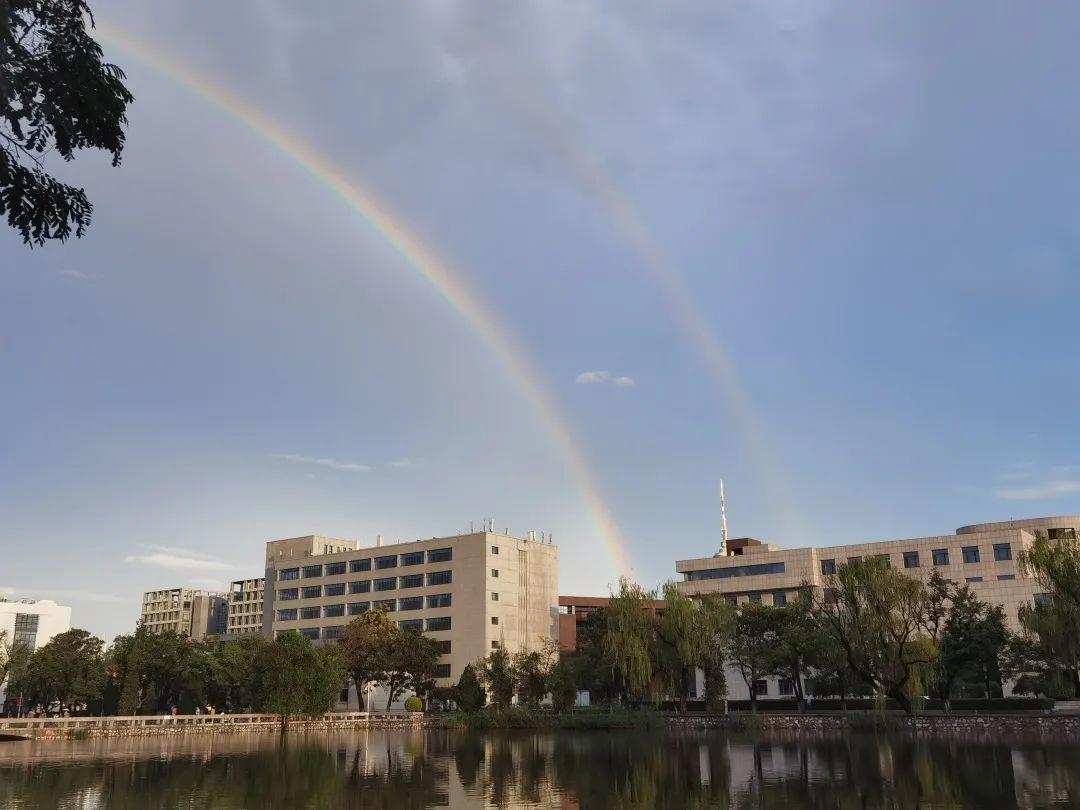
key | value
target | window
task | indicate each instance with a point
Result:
(911, 559)
(413, 558)
(884, 558)
(440, 623)
(828, 567)
(440, 577)
(360, 586)
(438, 600)
(1006, 576)
(289, 573)
(853, 559)
(494, 596)
(442, 671)
(334, 569)
(310, 632)
(736, 571)
(443, 646)
(940, 555)
(411, 603)
(287, 615)
(388, 584)
(386, 562)
(1002, 551)
(494, 549)
(494, 619)
(312, 571)
(761, 687)
(356, 566)
(312, 592)
(495, 573)
(356, 608)
(440, 555)
(389, 605)
(287, 594)
(310, 613)
(971, 554)
(779, 599)
(333, 611)
(1061, 534)
(495, 644)
(785, 688)
(333, 632)
(831, 596)
(1042, 599)
(755, 598)
(973, 579)
(731, 600)
(337, 589)
(411, 624)
(281, 633)
(412, 581)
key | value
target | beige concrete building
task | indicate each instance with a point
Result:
(472, 593)
(984, 556)
(184, 611)
(245, 608)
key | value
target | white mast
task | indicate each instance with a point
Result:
(723, 521)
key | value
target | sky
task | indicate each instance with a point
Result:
(824, 251)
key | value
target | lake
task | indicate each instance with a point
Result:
(421, 769)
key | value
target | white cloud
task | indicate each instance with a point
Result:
(179, 561)
(1041, 492)
(586, 377)
(332, 463)
(405, 463)
(625, 382)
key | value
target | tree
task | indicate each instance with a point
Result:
(752, 644)
(971, 644)
(368, 644)
(562, 683)
(411, 665)
(68, 671)
(236, 670)
(296, 677)
(56, 95)
(831, 675)
(596, 672)
(498, 676)
(1055, 563)
(688, 633)
(876, 615)
(5, 655)
(532, 671)
(469, 694)
(628, 638)
(800, 644)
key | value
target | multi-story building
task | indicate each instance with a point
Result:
(472, 593)
(31, 623)
(574, 611)
(184, 611)
(984, 556)
(245, 607)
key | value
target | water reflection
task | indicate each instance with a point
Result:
(567, 770)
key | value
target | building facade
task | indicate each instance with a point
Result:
(245, 608)
(472, 593)
(984, 556)
(31, 623)
(184, 611)
(574, 611)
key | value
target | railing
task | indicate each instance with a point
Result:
(192, 720)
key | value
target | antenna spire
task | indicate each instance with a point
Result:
(723, 521)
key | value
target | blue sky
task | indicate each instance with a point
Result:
(874, 210)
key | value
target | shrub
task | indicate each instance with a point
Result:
(414, 704)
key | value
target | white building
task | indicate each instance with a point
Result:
(32, 622)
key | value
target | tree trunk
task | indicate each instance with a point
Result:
(905, 702)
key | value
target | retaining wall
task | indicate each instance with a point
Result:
(980, 724)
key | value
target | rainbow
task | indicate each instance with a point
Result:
(452, 288)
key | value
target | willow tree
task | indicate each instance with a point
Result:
(690, 634)
(1055, 564)
(628, 637)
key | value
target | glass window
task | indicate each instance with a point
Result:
(356, 566)
(494, 619)
(411, 603)
(1061, 534)
(494, 549)
(412, 581)
(287, 615)
(442, 671)
(388, 584)
(440, 578)
(287, 594)
(437, 555)
(828, 567)
(911, 559)
(356, 608)
(312, 591)
(310, 613)
(310, 632)
(755, 598)
(333, 632)
(439, 600)
(941, 556)
(1006, 576)
(494, 596)
(1002, 551)
(335, 568)
(411, 624)
(495, 573)
(312, 571)
(386, 562)
(388, 605)
(443, 646)
(1043, 599)
(761, 687)
(885, 558)
(494, 644)
(779, 599)
(289, 573)
(853, 559)
(785, 688)
(360, 586)
(440, 623)
(413, 558)
(337, 589)
(736, 571)
(973, 579)
(731, 600)
(971, 554)
(333, 611)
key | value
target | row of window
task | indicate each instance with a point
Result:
(737, 571)
(439, 600)
(335, 631)
(939, 556)
(366, 585)
(333, 569)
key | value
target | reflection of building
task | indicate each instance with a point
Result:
(184, 611)
(245, 608)
(983, 556)
(31, 623)
(472, 593)
(575, 610)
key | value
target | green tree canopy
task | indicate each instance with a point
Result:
(68, 671)
(297, 678)
(469, 693)
(498, 676)
(411, 665)
(368, 645)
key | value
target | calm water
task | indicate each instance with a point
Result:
(562, 770)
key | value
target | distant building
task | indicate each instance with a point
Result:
(245, 606)
(32, 623)
(185, 611)
(574, 611)
(983, 556)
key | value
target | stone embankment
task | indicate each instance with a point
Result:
(1048, 723)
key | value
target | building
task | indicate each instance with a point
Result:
(31, 623)
(245, 608)
(984, 556)
(574, 611)
(472, 593)
(184, 611)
